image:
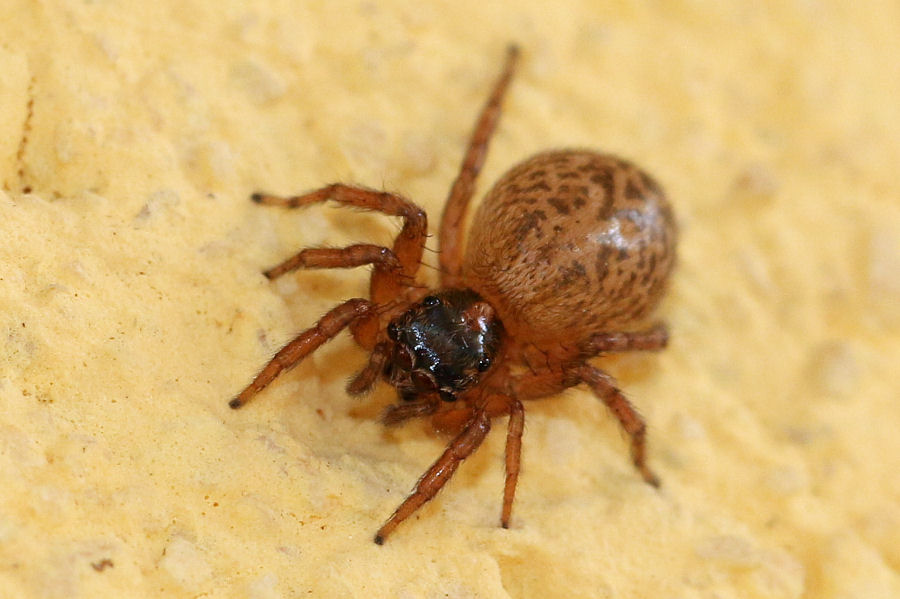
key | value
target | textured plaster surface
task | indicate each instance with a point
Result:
(132, 304)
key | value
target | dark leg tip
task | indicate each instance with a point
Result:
(257, 197)
(653, 480)
(235, 403)
(379, 540)
(505, 525)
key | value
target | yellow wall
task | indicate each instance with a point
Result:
(132, 305)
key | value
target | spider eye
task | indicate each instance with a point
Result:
(393, 331)
(483, 364)
(431, 300)
(447, 395)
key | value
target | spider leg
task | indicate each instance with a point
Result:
(440, 472)
(455, 210)
(604, 386)
(450, 422)
(541, 383)
(516, 426)
(387, 282)
(394, 414)
(367, 377)
(652, 339)
(348, 257)
(304, 344)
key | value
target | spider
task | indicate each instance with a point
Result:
(567, 257)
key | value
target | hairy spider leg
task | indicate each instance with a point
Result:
(304, 344)
(368, 376)
(513, 457)
(464, 445)
(604, 387)
(452, 221)
(382, 258)
(440, 472)
(394, 269)
(397, 413)
(529, 385)
(653, 339)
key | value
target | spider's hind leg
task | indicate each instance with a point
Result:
(451, 233)
(653, 339)
(604, 387)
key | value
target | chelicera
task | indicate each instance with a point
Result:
(566, 259)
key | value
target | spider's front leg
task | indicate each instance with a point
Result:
(395, 268)
(393, 274)
(401, 412)
(304, 344)
(383, 259)
(462, 446)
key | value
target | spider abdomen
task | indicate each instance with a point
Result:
(569, 244)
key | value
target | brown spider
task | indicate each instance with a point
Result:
(567, 256)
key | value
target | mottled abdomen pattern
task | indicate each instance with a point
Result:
(569, 244)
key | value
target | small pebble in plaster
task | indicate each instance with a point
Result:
(835, 370)
(418, 154)
(884, 263)
(758, 179)
(259, 82)
(264, 587)
(163, 201)
(730, 549)
(787, 480)
(185, 563)
(689, 428)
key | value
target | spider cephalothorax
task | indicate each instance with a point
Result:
(571, 249)
(442, 345)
